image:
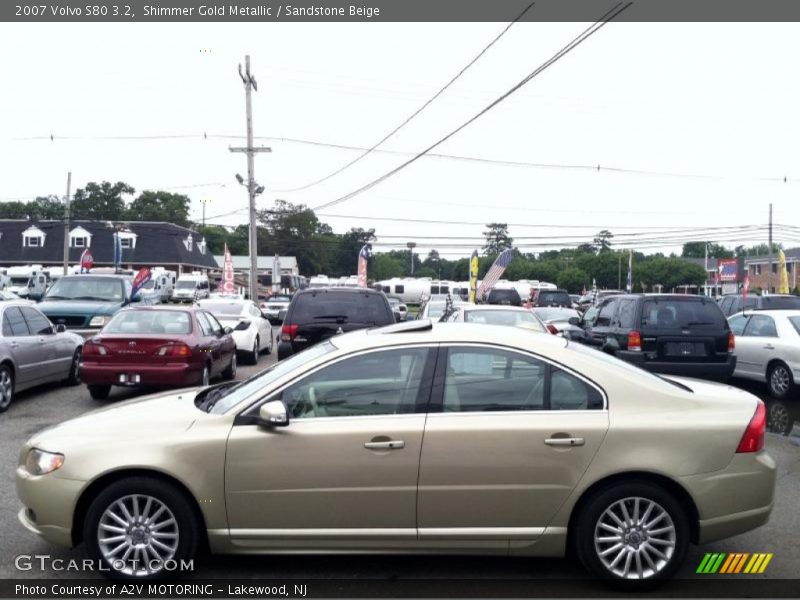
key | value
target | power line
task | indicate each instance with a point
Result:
(591, 30)
(425, 105)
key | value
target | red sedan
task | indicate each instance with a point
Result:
(163, 346)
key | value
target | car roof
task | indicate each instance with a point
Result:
(770, 312)
(505, 307)
(165, 307)
(337, 290)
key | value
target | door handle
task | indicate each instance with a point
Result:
(388, 445)
(769, 347)
(565, 441)
(14, 344)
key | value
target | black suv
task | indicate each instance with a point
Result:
(508, 296)
(552, 298)
(732, 303)
(317, 314)
(665, 333)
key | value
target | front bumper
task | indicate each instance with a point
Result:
(736, 499)
(49, 505)
(178, 374)
(718, 371)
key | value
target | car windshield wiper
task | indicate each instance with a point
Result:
(213, 395)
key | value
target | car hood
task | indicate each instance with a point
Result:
(54, 308)
(149, 417)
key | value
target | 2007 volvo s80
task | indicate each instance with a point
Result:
(412, 438)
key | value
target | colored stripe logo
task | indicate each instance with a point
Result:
(734, 563)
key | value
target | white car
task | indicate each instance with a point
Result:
(273, 305)
(251, 331)
(497, 314)
(768, 350)
(435, 308)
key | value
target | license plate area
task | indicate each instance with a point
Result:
(129, 379)
(684, 349)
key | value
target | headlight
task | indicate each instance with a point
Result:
(99, 321)
(41, 462)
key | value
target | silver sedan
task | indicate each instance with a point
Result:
(33, 351)
(768, 350)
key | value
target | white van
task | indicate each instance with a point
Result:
(160, 286)
(191, 287)
(28, 282)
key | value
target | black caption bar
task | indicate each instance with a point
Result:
(391, 10)
(73, 589)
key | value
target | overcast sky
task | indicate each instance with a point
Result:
(717, 100)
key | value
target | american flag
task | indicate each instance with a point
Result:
(363, 257)
(495, 272)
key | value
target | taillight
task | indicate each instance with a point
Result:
(552, 329)
(731, 342)
(94, 349)
(288, 332)
(753, 438)
(635, 341)
(174, 350)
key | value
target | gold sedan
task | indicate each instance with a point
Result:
(411, 438)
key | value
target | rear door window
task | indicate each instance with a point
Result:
(14, 323)
(606, 313)
(761, 326)
(627, 314)
(738, 323)
(37, 322)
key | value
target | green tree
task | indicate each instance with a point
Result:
(385, 266)
(160, 206)
(573, 280)
(497, 239)
(698, 250)
(602, 241)
(101, 201)
(43, 207)
(294, 230)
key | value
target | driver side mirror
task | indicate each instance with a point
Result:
(574, 321)
(227, 330)
(273, 414)
(60, 328)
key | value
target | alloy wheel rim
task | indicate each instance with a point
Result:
(780, 380)
(76, 365)
(778, 417)
(5, 388)
(138, 535)
(635, 538)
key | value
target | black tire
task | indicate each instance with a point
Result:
(182, 511)
(587, 528)
(6, 387)
(230, 372)
(99, 392)
(74, 377)
(780, 382)
(253, 354)
(781, 416)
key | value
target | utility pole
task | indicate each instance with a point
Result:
(411, 246)
(204, 202)
(252, 188)
(769, 273)
(66, 224)
(619, 273)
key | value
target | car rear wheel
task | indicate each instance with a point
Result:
(99, 392)
(254, 352)
(781, 416)
(74, 377)
(633, 535)
(140, 528)
(779, 381)
(6, 387)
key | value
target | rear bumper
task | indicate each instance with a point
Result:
(177, 374)
(701, 370)
(736, 499)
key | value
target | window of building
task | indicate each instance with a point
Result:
(33, 237)
(125, 242)
(201, 246)
(774, 267)
(188, 242)
(79, 242)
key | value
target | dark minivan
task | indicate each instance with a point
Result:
(506, 296)
(733, 303)
(552, 298)
(316, 314)
(665, 333)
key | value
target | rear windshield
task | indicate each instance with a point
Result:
(150, 321)
(279, 299)
(780, 301)
(556, 314)
(503, 317)
(554, 298)
(511, 296)
(681, 313)
(369, 309)
(186, 285)
(222, 308)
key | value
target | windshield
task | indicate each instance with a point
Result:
(279, 299)
(149, 285)
(502, 317)
(223, 308)
(435, 309)
(150, 321)
(553, 297)
(343, 307)
(19, 281)
(219, 401)
(87, 288)
(186, 285)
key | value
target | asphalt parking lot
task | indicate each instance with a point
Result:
(42, 407)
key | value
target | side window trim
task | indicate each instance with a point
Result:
(249, 414)
(437, 393)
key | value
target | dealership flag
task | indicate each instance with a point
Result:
(783, 281)
(363, 257)
(594, 291)
(228, 276)
(87, 261)
(142, 277)
(473, 276)
(495, 272)
(629, 284)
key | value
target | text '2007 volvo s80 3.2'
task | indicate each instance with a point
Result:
(412, 438)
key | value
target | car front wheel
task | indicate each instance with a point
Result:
(6, 387)
(633, 535)
(141, 528)
(254, 352)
